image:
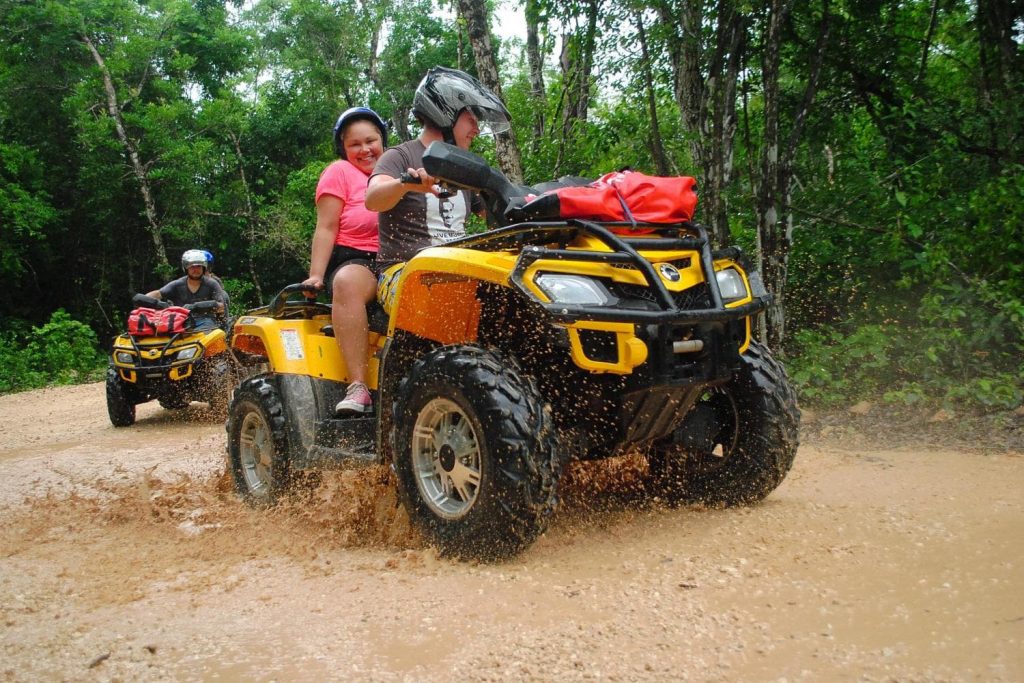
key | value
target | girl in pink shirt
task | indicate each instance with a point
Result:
(345, 242)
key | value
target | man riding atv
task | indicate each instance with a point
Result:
(177, 353)
(195, 286)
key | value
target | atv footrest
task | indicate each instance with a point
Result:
(342, 443)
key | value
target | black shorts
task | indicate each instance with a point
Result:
(343, 256)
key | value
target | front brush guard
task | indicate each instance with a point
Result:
(624, 252)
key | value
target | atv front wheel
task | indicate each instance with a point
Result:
(120, 406)
(476, 453)
(258, 449)
(737, 443)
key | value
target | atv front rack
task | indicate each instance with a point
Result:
(624, 251)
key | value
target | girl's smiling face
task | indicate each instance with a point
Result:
(363, 145)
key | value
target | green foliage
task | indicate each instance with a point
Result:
(963, 349)
(906, 277)
(63, 351)
(26, 209)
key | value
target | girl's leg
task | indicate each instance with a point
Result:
(354, 286)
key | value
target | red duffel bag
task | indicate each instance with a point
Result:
(617, 197)
(149, 322)
(629, 195)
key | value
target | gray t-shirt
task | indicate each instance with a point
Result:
(418, 220)
(177, 291)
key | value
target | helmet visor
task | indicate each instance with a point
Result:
(490, 121)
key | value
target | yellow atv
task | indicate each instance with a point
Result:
(173, 368)
(509, 353)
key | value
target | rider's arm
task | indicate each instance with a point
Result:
(385, 191)
(156, 294)
(328, 213)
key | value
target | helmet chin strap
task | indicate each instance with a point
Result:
(449, 135)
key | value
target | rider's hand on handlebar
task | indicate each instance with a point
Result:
(314, 281)
(418, 180)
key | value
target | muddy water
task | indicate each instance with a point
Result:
(125, 555)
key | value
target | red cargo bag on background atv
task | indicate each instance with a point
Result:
(623, 196)
(151, 322)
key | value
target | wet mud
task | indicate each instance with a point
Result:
(125, 555)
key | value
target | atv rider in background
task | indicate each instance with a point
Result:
(195, 286)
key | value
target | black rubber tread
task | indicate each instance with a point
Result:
(259, 394)
(521, 458)
(120, 403)
(173, 403)
(766, 443)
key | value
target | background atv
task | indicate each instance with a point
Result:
(510, 352)
(173, 369)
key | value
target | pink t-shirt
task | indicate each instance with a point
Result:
(357, 227)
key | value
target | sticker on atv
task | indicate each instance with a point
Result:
(292, 344)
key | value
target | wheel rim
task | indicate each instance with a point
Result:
(723, 442)
(446, 458)
(256, 454)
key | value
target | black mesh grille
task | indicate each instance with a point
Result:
(696, 297)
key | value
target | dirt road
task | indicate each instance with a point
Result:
(125, 556)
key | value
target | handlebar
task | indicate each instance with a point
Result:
(152, 302)
(409, 179)
(149, 302)
(277, 303)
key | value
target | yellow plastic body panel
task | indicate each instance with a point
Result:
(299, 347)
(722, 264)
(436, 293)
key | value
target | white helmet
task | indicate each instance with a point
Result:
(195, 257)
(444, 93)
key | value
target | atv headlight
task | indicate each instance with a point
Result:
(730, 284)
(189, 353)
(574, 289)
(124, 357)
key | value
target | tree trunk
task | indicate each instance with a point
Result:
(474, 12)
(536, 69)
(774, 187)
(132, 152)
(657, 148)
(250, 213)
(577, 62)
(704, 80)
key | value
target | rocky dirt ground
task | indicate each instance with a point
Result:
(893, 552)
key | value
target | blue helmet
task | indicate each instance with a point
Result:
(358, 114)
(209, 258)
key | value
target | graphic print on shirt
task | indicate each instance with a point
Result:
(446, 218)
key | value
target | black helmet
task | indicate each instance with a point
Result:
(444, 93)
(358, 114)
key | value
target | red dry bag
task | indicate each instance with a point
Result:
(621, 196)
(148, 322)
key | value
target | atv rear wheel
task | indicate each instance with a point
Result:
(476, 453)
(737, 444)
(120, 403)
(258, 450)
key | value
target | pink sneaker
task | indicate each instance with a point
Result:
(357, 400)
